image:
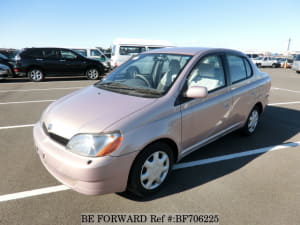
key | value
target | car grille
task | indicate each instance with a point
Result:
(61, 140)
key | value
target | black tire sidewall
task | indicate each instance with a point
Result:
(92, 68)
(134, 184)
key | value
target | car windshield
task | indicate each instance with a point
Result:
(146, 75)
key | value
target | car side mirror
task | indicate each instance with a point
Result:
(196, 92)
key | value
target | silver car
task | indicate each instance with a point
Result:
(126, 131)
(296, 64)
(5, 71)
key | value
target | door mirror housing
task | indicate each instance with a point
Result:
(196, 92)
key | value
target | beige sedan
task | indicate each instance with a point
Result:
(126, 131)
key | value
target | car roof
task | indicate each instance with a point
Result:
(193, 50)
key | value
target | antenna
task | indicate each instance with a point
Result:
(289, 43)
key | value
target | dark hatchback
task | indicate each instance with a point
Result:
(37, 63)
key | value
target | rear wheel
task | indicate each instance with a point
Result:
(274, 65)
(258, 65)
(252, 122)
(35, 75)
(150, 170)
(92, 74)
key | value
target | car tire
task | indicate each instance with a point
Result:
(297, 71)
(258, 65)
(92, 74)
(252, 122)
(150, 170)
(274, 65)
(35, 75)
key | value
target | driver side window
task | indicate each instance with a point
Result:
(208, 73)
(65, 54)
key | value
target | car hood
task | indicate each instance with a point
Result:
(90, 110)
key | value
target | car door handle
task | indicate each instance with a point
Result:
(62, 60)
(39, 59)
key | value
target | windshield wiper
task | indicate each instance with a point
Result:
(119, 86)
(114, 85)
(148, 91)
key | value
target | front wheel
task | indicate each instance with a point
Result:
(274, 65)
(92, 74)
(35, 75)
(150, 170)
(258, 65)
(252, 122)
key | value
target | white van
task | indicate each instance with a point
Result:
(94, 53)
(123, 49)
(296, 64)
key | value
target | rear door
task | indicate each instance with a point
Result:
(242, 88)
(50, 61)
(204, 118)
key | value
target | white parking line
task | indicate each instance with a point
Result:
(32, 193)
(17, 126)
(24, 102)
(285, 103)
(235, 155)
(45, 89)
(283, 89)
(47, 190)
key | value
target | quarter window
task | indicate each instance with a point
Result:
(239, 68)
(208, 73)
(248, 67)
(33, 53)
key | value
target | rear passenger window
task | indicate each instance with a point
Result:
(208, 73)
(239, 68)
(50, 54)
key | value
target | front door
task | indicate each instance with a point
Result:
(72, 63)
(202, 119)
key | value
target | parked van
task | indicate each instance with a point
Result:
(124, 49)
(94, 53)
(296, 64)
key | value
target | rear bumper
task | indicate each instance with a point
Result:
(103, 175)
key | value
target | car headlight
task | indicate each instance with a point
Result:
(95, 145)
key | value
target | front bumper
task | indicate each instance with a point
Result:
(103, 175)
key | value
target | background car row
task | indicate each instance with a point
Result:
(274, 62)
(38, 63)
